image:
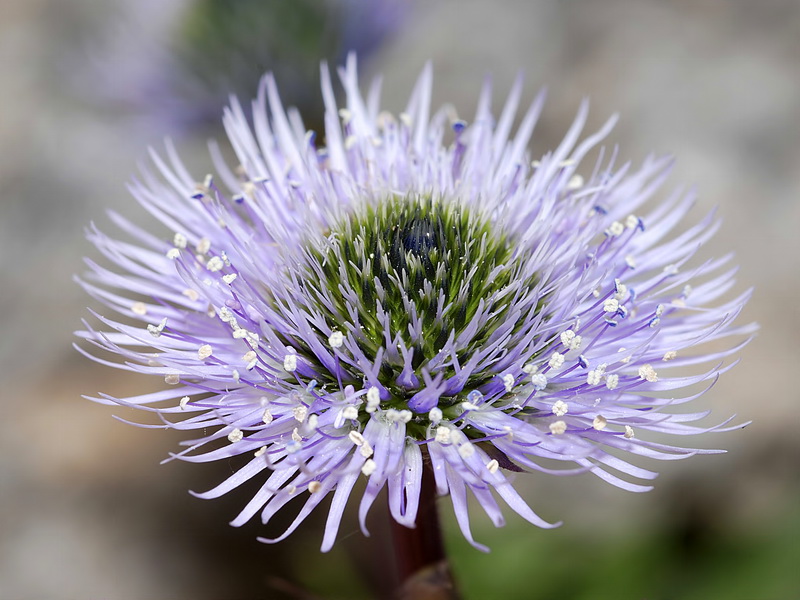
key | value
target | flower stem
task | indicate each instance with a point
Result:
(422, 566)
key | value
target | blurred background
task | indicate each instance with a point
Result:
(86, 511)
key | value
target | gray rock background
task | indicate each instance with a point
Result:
(85, 510)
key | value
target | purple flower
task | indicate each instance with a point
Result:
(414, 291)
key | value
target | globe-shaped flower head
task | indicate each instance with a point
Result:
(413, 292)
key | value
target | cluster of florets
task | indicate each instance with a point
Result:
(392, 300)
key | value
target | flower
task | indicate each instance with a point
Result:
(414, 291)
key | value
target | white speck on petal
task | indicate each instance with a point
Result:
(628, 432)
(599, 422)
(648, 373)
(556, 360)
(235, 436)
(139, 308)
(539, 382)
(443, 435)
(155, 330)
(204, 351)
(612, 381)
(508, 381)
(356, 437)
(300, 413)
(616, 228)
(560, 408)
(492, 466)
(336, 339)
(373, 399)
(558, 427)
(179, 240)
(290, 363)
(369, 466)
(466, 450)
(215, 264)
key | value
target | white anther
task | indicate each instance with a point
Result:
(155, 330)
(191, 294)
(314, 486)
(346, 115)
(350, 141)
(229, 278)
(235, 436)
(312, 421)
(435, 415)
(556, 360)
(659, 310)
(492, 466)
(599, 422)
(560, 408)
(405, 119)
(336, 339)
(173, 253)
(648, 373)
(296, 435)
(596, 292)
(179, 240)
(172, 379)
(365, 450)
(350, 412)
(679, 302)
(593, 377)
(443, 435)
(139, 308)
(630, 261)
(250, 357)
(260, 451)
(671, 270)
(621, 288)
(570, 340)
(612, 381)
(466, 450)
(632, 222)
(369, 466)
(530, 369)
(405, 416)
(575, 182)
(539, 381)
(204, 351)
(356, 437)
(616, 228)
(267, 417)
(235, 375)
(611, 305)
(669, 355)
(558, 427)
(290, 363)
(373, 399)
(291, 490)
(240, 333)
(300, 412)
(508, 381)
(184, 402)
(628, 432)
(465, 406)
(215, 264)
(203, 246)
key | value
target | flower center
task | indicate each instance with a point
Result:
(426, 294)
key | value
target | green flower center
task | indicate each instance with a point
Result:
(424, 284)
